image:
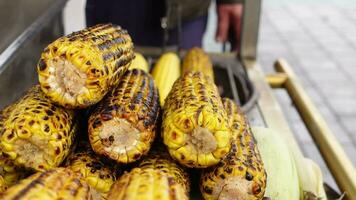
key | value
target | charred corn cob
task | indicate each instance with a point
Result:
(163, 162)
(165, 72)
(59, 183)
(195, 125)
(96, 174)
(139, 62)
(197, 60)
(77, 70)
(241, 174)
(146, 184)
(123, 126)
(36, 133)
(9, 173)
(3, 185)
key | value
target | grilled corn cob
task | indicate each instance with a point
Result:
(77, 70)
(165, 72)
(123, 126)
(3, 185)
(59, 183)
(96, 174)
(36, 133)
(195, 125)
(163, 162)
(9, 173)
(146, 184)
(197, 60)
(241, 174)
(139, 63)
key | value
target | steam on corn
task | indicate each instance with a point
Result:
(59, 183)
(197, 60)
(147, 184)
(36, 133)
(123, 126)
(165, 72)
(96, 174)
(139, 62)
(241, 174)
(77, 70)
(195, 125)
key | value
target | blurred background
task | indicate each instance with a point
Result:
(318, 38)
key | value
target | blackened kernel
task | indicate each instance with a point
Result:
(57, 151)
(249, 176)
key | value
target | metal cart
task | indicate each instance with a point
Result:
(245, 83)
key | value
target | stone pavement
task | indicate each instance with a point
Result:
(318, 39)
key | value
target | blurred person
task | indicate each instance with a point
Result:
(144, 20)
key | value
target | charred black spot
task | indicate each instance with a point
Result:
(96, 123)
(249, 176)
(228, 170)
(49, 112)
(208, 190)
(42, 65)
(45, 118)
(57, 151)
(46, 128)
(111, 138)
(88, 63)
(31, 123)
(11, 135)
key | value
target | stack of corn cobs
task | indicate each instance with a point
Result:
(99, 126)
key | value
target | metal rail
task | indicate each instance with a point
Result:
(339, 164)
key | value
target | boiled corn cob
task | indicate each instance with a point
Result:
(37, 134)
(241, 174)
(197, 60)
(195, 125)
(165, 72)
(77, 70)
(59, 183)
(162, 161)
(139, 62)
(123, 126)
(96, 174)
(146, 184)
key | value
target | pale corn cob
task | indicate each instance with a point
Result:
(195, 125)
(165, 72)
(122, 127)
(241, 174)
(196, 60)
(77, 70)
(146, 184)
(139, 62)
(59, 183)
(36, 133)
(98, 175)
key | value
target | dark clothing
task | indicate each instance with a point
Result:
(142, 19)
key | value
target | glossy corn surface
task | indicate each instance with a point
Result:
(146, 184)
(123, 126)
(195, 124)
(98, 175)
(165, 72)
(36, 133)
(77, 70)
(241, 173)
(196, 60)
(59, 183)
